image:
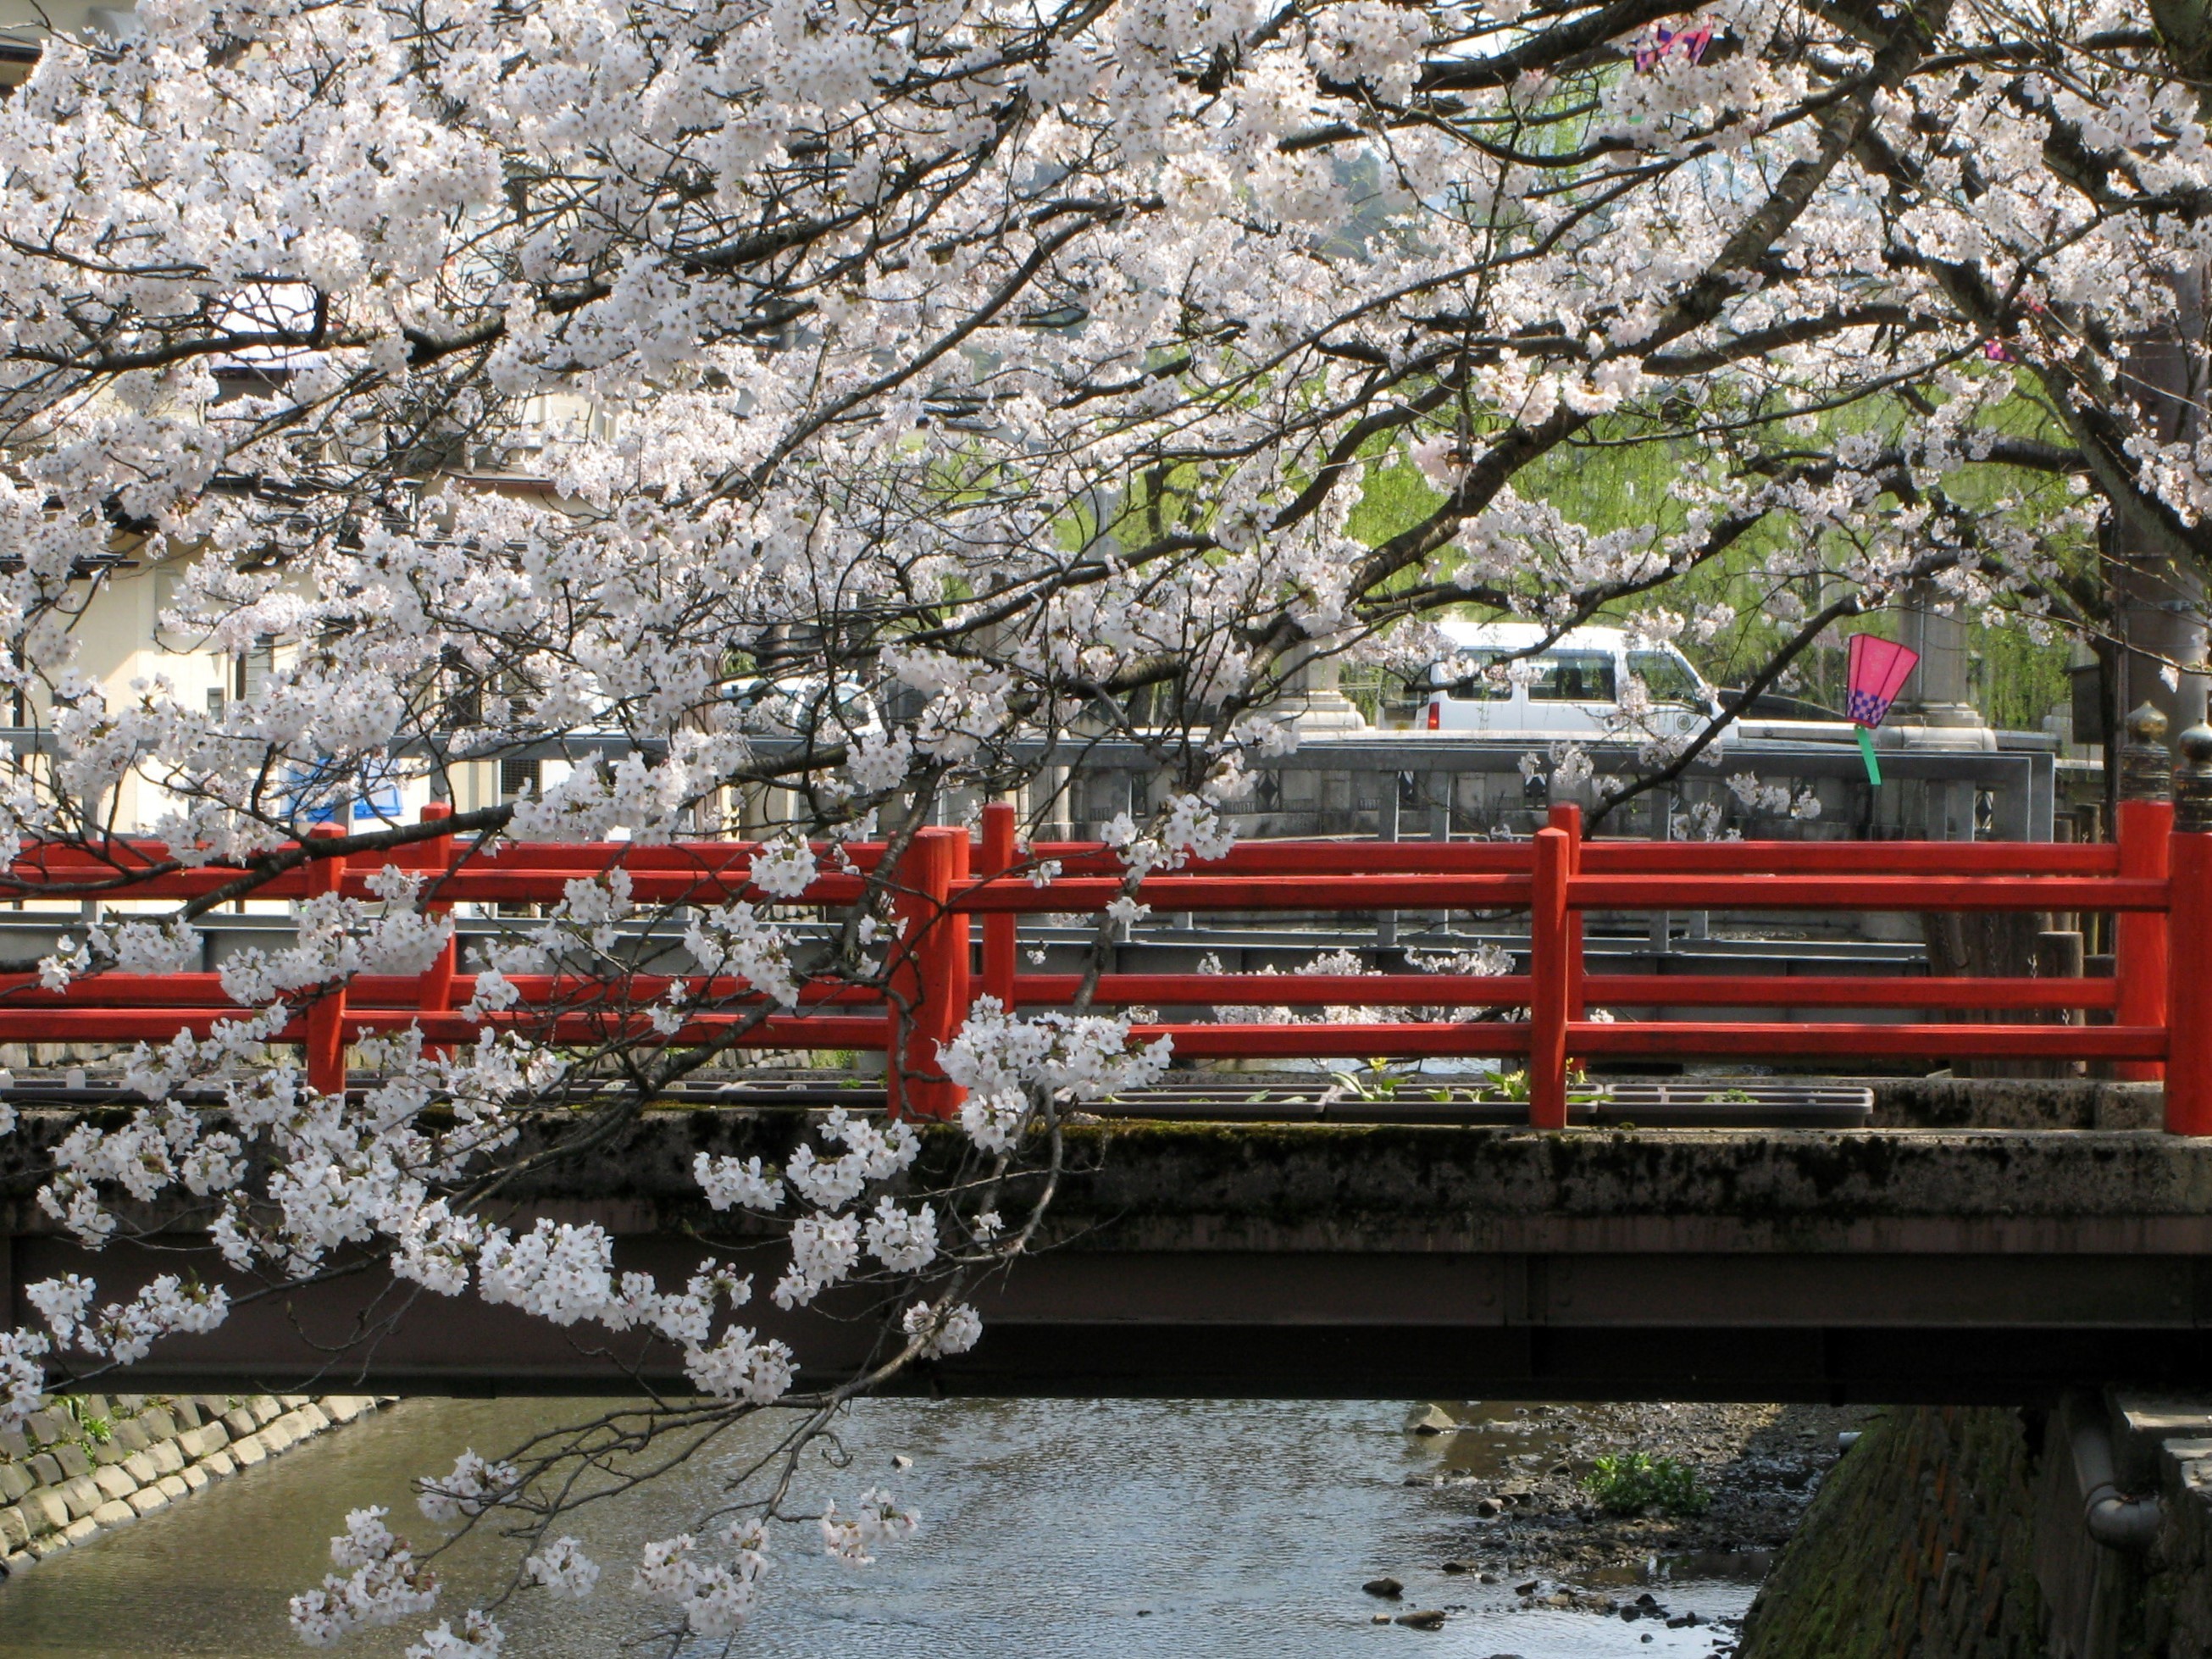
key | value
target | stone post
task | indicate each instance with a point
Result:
(1936, 696)
(1936, 712)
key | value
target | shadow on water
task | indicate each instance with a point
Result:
(1050, 1528)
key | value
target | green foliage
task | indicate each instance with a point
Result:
(1629, 1483)
(91, 1431)
(1616, 476)
(1392, 497)
(1377, 1082)
(1514, 1086)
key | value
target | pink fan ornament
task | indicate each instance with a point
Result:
(1877, 670)
(1691, 40)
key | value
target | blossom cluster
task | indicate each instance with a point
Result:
(789, 421)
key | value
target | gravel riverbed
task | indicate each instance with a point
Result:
(1517, 1520)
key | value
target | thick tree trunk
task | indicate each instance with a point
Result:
(2161, 603)
(2160, 609)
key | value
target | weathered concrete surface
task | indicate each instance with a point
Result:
(1912, 1102)
(1384, 1187)
(1938, 1264)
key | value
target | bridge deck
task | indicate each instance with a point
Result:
(1194, 1258)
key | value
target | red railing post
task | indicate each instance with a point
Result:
(326, 1013)
(1550, 981)
(1568, 818)
(435, 857)
(999, 939)
(2142, 826)
(929, 973)
(2189, 914)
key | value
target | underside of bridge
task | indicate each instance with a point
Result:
(1932, 1264)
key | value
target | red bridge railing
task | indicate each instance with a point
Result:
(949, 888)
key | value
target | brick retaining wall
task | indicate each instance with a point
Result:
(1919, 1543)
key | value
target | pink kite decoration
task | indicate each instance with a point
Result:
(1878, 671)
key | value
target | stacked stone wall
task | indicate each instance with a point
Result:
(1918, 1544)
(91, 1461)
(2176, 1604)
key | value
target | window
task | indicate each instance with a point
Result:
(463, 691)
(1667, 677)
(249, 669)
(1475, 686)
(515, 776)
(1573, 676)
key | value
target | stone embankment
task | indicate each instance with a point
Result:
(91, 1461)
(2084, 1532)
(1919, 1542)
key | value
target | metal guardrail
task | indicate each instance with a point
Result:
(2019, 775)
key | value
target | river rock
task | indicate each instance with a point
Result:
(1384, 1587)
(1433, 1419)
(1426, 1619)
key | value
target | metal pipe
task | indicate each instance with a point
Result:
(2114, 1519)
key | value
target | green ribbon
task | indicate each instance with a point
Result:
(1866, 749)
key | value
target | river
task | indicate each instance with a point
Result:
(1051, 1529)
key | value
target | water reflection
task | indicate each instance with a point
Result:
(1051, 1529)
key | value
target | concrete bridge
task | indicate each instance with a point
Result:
(1982, 1242)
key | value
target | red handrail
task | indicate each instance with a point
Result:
(2158, 883)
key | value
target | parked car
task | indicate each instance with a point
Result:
(1778, 706)
(1572, 686)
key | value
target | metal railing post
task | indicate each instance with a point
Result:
(2143, 828)
(2189, 980)
(326, 1013)
(1550, 981)
(1000, 940)
(929, 973)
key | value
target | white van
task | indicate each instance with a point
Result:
(1573, 687)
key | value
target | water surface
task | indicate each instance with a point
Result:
(1053, 1529)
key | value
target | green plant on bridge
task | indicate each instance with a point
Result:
(1514, 1086)
(1629, 1483)
(1377, 1082)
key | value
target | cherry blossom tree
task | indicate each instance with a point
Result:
(811, 412)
